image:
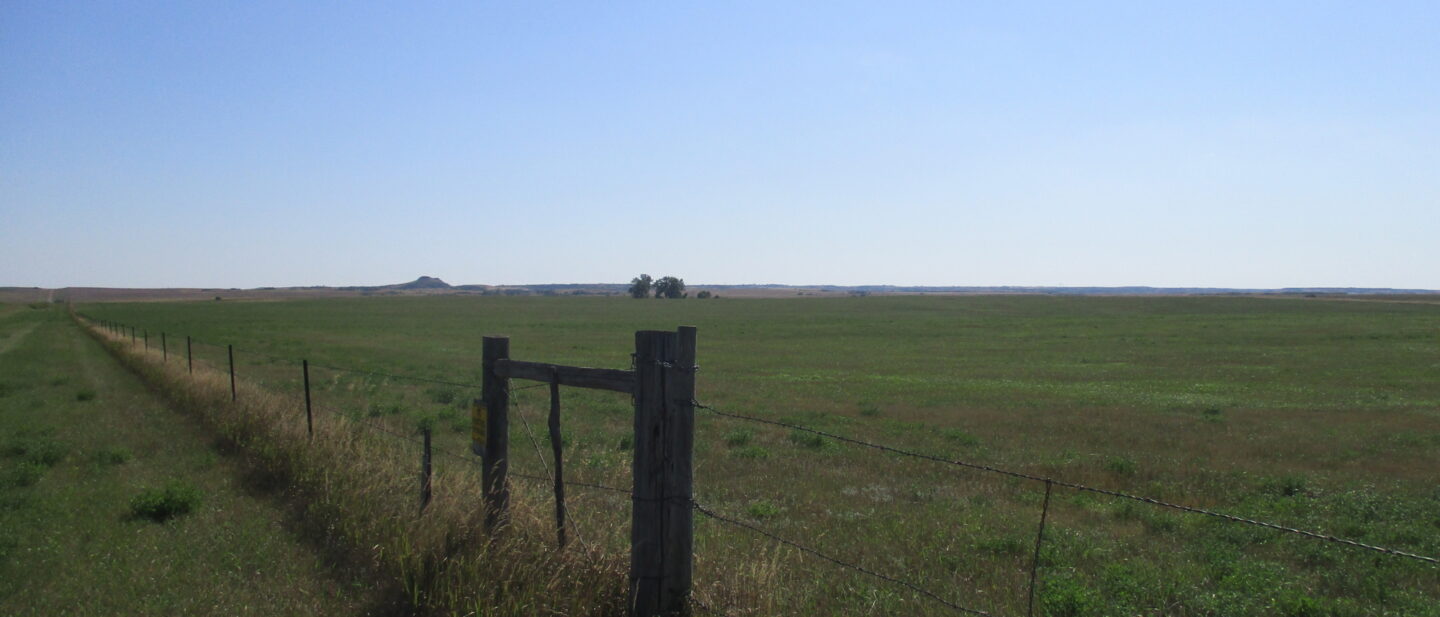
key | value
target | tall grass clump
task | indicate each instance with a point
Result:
(166, 502)
(356, 494)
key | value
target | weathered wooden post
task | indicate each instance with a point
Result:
(164, 349)
(679, 472)
(230, 353)
(425, 471)
(189, 356)
(661, 526)
(145, 334)
(309, 417)
(495, 401)
(557, 449)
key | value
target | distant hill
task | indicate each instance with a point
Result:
(424, 282)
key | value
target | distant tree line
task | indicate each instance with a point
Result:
(665, 287)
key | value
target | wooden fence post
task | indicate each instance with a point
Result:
(425, 471)
(230, 353)
(189, 357)
(495, 397)
(556, 448)
(164, 349)
(661, 524)
(678, 473)
(146, 335)
(310, 418)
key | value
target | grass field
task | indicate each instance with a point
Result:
(1309, 413)
(80, 440)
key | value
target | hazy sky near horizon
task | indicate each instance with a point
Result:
(1227, 144)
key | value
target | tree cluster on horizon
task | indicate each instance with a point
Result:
(664, 287)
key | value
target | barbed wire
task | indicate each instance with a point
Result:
(376, 427)
(1073, 485)
(539, 455)
(473, 460)
(695, 600)
(816, 553)
(889, 449)
(374, 373)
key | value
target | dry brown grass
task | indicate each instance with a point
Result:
(356, 494)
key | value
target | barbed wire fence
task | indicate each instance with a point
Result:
(711, 513)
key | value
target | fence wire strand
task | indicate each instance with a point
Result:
(441, 382)
(845, 564)
(1073, 485)
(373, 373)
(124, 330)
(540, 455)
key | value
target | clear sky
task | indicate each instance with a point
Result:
(1245, 144)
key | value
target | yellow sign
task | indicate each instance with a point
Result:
(477, 423)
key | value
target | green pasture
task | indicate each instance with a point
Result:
(1318, 414)
(113, 504)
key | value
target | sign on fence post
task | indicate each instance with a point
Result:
(495, 397)
(662, 524)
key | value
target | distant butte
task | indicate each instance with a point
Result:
(424, 282)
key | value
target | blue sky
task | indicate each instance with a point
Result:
(1247, 144)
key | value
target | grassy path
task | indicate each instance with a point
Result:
(79, 439)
